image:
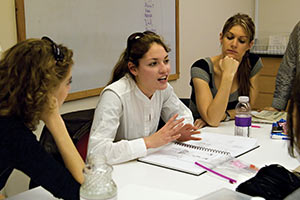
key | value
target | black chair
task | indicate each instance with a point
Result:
(186, 102)
(78, 124)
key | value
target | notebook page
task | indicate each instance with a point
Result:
(235, 145)
(183, 158)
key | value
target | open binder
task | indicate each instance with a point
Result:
(213, 150)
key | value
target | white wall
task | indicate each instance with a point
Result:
(200, 22)
(277, 16)
(8, 32)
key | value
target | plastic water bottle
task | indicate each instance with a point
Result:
(243, 117)
(98, 183)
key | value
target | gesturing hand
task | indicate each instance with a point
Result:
(169, 132)
(187, 132)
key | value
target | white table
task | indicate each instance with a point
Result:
(137, 180)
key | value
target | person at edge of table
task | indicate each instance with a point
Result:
(35, 77)
(290, 192)
(288, 69)
(218, 81)
(293, 127)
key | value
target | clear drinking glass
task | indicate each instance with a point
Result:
(98, 183)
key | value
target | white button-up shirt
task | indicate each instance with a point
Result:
(124, 116)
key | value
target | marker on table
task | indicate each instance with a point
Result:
(217, 173)
(285, 138)
(255, 126)
(281, 136)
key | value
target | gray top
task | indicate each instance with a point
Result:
(203, 69)
(289, 67)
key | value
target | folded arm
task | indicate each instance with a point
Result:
(212, 110)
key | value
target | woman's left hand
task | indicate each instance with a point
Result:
(199, 123)
(187, 132)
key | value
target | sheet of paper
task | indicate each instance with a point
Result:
(236, 145)
(36, 193)
(138, 192)
(213, 150)
(266, 116)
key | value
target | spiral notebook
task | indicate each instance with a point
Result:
(211, 151)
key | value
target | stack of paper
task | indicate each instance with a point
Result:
(269, 117)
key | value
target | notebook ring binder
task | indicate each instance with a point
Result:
(202, 148)
(213, 150)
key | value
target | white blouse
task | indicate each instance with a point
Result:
(124, 116)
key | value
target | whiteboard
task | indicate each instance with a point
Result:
(97, 31)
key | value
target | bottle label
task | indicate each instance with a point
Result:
(242, 131)
(242, 121)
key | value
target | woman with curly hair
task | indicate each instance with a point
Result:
(35, 77)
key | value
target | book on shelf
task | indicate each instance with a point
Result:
(269, 117)
(213, 150)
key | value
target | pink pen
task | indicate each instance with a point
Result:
(255, 126)
(217, 173)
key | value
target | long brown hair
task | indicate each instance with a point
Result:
(294, 104)
(29, 72)
(243, 73)
(138, 45)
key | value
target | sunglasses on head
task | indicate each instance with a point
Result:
(57, 53)
(135, 37)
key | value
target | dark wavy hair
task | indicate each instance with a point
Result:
(244, 69)
(29, 72)
(294, 105)
(138, 45)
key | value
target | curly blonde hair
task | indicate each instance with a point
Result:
(29, 72)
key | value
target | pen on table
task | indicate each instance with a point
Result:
(217, 173)
(279, 134)
(285, 138)
(255, 126)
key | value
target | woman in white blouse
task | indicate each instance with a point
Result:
(128, 113)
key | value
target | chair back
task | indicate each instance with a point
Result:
(78, 124)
